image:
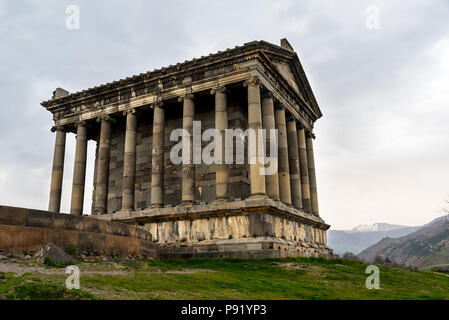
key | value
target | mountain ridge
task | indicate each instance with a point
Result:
(424, 247)
(376, 227)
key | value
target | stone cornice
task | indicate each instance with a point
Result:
(244, 207)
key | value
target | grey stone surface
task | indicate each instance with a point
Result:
(55, 254)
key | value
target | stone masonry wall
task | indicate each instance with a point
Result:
(204, 174)
(27, 230)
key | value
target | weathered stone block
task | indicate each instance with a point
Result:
(93, 243)
(13, 215)
(94, 225)
(66, 221)
(29, 238)
(7, 237)
(63, 238)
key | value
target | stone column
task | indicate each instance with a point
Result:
(188, 168)
(304, 170)
(312, 175)
(221, 123)
(284, 171)
(295, 183)
(157, 171)
(57, 172)
(271, 181)
(102, 179)
(129, 161)
(255, 123)
(79, 171)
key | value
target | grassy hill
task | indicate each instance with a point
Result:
(294, 278)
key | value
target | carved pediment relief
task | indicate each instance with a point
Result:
(285, 70)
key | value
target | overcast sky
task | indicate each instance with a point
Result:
(382, 147)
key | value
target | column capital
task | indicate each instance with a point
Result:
(188, 96)
(81, 123)
(58, 128)
(157, 104)
(219, 89)
(278, 105)
(310, 135)
(106, 118)
(131, 110)
(255, 81)
(290, 117)
(268, 95)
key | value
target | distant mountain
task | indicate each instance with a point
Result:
(376, 227)
(427, 246)
(363, 236)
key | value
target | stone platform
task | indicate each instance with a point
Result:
(255, 227)
(27, 230)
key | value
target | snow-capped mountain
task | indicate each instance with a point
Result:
(376, 227)
(361, 237)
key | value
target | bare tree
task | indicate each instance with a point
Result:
(446, 210)
(446, 206)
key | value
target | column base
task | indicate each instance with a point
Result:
(258, 196)
(98, 212)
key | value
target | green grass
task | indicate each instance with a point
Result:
(29, 287)
(302, 278)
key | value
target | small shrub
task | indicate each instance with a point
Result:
(56, 264)
(72, 250)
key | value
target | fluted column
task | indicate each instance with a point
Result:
(271, 181)
(284, 171)
(129, 161)
(79, 171)
(57, 172)
(312, 175)
(157, 171)
(102, 179)
(188, 168)
(304, 170)
(255, 123)
(221, 124)
(295, 183)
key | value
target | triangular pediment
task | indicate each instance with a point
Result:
(289, 67)
(286, 72)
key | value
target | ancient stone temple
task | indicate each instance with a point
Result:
(193, 208)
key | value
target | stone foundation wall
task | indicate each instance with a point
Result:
(255, 227)
(259, 247)
(226, 227)
(26, 230)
